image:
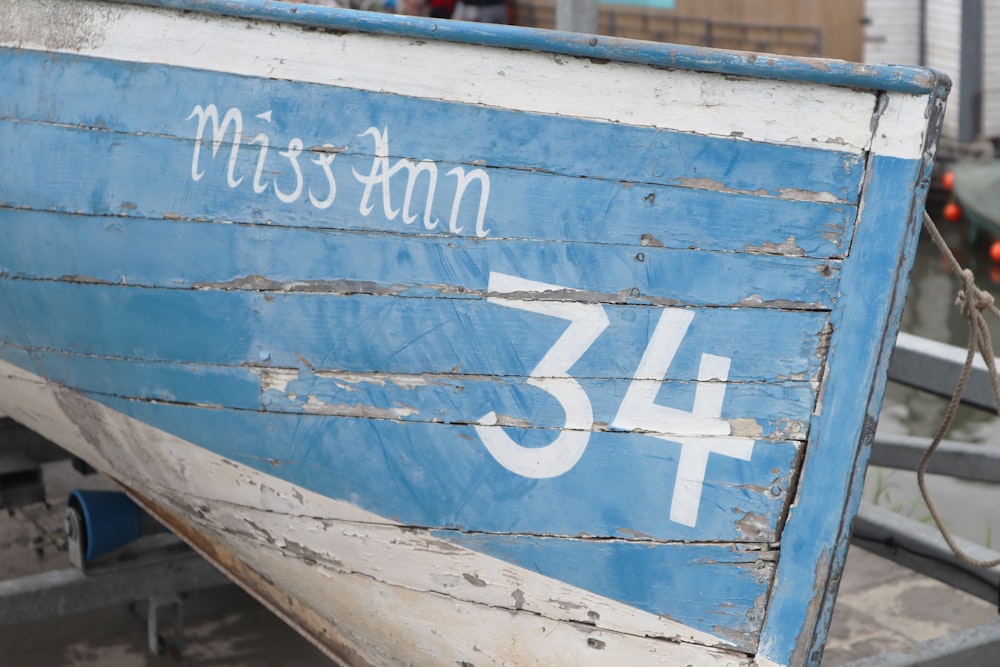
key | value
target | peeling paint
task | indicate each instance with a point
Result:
(754, 618)
(276, 379)
(634, 534)
(506, 420)
(518, 596)
(751, 525)
(788, 248)
(808, 195)
(258, 283)
(825, 270)
(803, 642)
(442, 546)
(326, 148)
(757, 301)
(315, 406)
(790, 429)
(473, 579)
(84, 280)
(263, 533)
(716, 186)
(369, 288)
(309, 555)
(746, 428)
(563, 604)
(650, 241)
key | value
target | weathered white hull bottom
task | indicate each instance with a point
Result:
(364, 589)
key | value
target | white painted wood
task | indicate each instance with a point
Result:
(757, 110)
(899, 122)
(357, 569)
(484, 636)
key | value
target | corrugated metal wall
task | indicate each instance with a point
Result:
(893, 36)
(991, 68)
(944, 52)
(892, 32)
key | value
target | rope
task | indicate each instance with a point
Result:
(972, 301)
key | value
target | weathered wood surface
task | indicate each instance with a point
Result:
(467, 339)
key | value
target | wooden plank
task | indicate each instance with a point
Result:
(457, 483)
(877, 264)
(270, 259)
(289, 330)
(781, 409)
(367, 550)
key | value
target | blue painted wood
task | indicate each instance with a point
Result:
(145, 253)
(776, 409)
(440, 475)
(197, 384)
(874, 286)
(418, 129)
(400, 335)
(632, 212)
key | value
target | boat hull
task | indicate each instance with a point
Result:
(262, 530)
(447, 368)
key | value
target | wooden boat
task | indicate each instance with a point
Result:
(464, 344)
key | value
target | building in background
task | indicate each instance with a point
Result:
(959, 37)
(831, 29)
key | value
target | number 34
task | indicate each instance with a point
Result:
(700, 432)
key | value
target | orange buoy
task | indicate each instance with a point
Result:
(995, 251)
(948, 180)
(952, 211)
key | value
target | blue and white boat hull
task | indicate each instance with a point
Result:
(463, 344)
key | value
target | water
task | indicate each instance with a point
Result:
(969, 508)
